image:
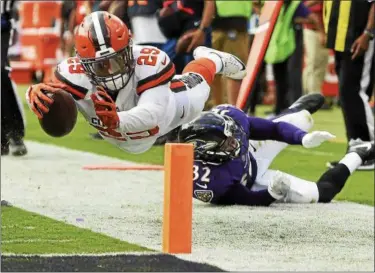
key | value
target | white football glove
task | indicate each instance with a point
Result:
(314, 139)
(279, 186)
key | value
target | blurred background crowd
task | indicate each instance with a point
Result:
(317, 47)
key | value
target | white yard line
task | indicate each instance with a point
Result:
(128, 205)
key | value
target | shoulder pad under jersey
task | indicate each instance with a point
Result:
(70, 72)
(153, 67)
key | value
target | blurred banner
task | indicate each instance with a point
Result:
(330, 86)
(39, 36)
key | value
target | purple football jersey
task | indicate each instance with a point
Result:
(230, 182)
(211, 181)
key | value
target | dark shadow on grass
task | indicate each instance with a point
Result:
(110, 263)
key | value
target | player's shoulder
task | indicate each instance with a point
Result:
(153, 67)
(234, 112)
(71, 73)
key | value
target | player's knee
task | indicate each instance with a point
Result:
(204, 67)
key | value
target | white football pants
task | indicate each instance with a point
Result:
(301, 191)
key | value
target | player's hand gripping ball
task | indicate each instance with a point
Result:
(54, 107)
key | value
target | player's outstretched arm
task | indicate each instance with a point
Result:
(316, 138)
(263, 129)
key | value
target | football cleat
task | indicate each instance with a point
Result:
(5, 149)
(309, 102)
(365, 151)
(18, 147)
(232, 67)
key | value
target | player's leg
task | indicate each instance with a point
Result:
(265, 151)
(333, 180)
(298, 114)
(192, 88)
(329, 184)
(295, 190)
(12, 117)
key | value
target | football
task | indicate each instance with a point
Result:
(62, 115)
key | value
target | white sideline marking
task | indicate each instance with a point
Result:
(129, 206)
(140, 253)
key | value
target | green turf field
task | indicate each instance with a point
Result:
(23, 232)
(307, 164)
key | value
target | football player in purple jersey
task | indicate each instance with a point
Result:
(233, 152)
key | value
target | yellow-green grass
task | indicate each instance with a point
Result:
(24, 232)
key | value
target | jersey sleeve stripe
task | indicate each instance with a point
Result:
(177, 86)
(160, 78)
(77, 91)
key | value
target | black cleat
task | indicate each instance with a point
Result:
(309, 102)
(18, 147)
(5, 149)
(366, 151)
(368, 165)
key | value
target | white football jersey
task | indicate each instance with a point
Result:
(145, 107)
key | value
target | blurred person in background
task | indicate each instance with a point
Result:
(185, 20)
(283, 44)
(144, 22)
(350, 27)
(12, 120)
(295, 65)
(260, 85)
(229, 34)
(67, 9)
(116, 7)
(315, 52)
(73, 13)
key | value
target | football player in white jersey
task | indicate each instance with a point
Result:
(131, 94)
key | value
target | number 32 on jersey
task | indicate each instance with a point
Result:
(202, 175)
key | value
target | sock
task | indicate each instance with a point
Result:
(332, 182)
(217, 60)
(352, 161)
(202, 66)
